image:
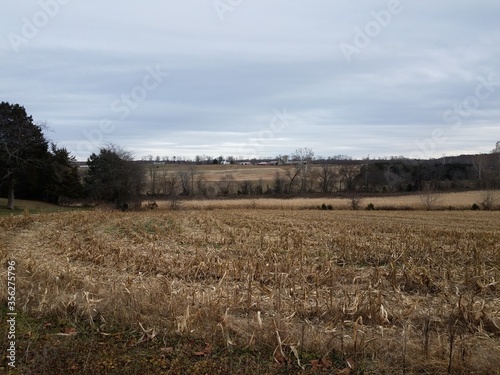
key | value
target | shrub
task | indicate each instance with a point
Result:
(330, 207)
(475, 207)
(323, 206)
(354, 202)
(370, 207)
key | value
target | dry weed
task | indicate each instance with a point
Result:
(392, 291)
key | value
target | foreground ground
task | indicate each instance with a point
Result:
(249, 291)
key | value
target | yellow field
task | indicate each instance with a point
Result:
(258, 291)
(214, 173)
(457, 201)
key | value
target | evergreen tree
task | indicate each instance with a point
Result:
(63, 179)
(23, 148)
(114, 176)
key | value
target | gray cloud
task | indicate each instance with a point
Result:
(225, 78)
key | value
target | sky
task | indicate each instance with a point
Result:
(418, 79)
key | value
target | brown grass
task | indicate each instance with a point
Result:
(301, 291)
(215, 172)
(456, 201)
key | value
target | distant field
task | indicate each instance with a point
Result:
(214, 173)
(457, 201)
(242, 291)
(462, 201)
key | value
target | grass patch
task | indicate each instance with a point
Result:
(52, 345)
(33, 207)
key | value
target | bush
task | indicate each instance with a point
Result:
(330, 207)
(323, 206)
(354, 202)
(475, 207)
(370, 207)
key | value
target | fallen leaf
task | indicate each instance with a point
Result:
(326, 363)
(208, 349)
(315, 363)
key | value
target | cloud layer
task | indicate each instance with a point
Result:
(418, 79)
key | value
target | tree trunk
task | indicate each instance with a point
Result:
(10, 189)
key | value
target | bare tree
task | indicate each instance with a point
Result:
(187, 179)
(279, 184)
(489, 199)
(168, 182)
(154, 185)
(292, 176)
(312, 180)
(259, 189)
(355, 200)
(192, 173)
(175, 202)
(326, 178)
(479, 162)
(365, 169)
(226, 184)
(246, 187)
(349, 172)
(201, 185)
(299, 174)
(430, 199)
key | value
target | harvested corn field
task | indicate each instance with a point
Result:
(256, 291)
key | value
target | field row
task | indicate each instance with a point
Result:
(374, 286)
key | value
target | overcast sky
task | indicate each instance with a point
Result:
(257, 77)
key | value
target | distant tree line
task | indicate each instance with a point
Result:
(304, 174)
(31, 167)
(114, 176)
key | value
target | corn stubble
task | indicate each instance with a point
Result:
(346, 292)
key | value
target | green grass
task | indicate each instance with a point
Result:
(33, 207)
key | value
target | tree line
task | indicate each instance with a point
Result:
(31, 167)
(304, 175)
